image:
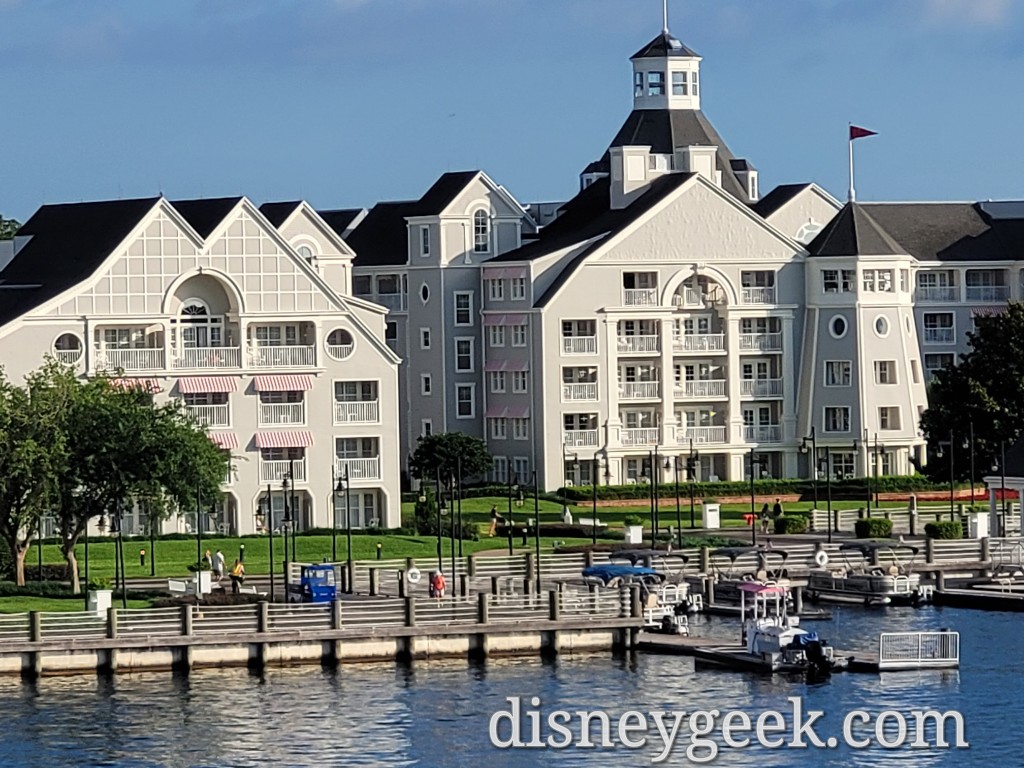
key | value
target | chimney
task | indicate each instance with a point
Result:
(633, 169)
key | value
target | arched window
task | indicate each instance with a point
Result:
(340, 344)
(481, 232)
(306, 253)
(198, 328)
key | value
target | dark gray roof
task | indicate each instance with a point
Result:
(950, 231)
(382, 237)
(741, 164)
(205, 215)
(777, 198)
(340, 220)
(852, 232)
(277, 213)
(665, 45)
(69, 242)
(442, 193)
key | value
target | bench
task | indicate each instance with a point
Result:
(590, 522)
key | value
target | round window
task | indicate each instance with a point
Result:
(837, 327)
(425, 293)
(340, 344)
(305, 252)
(881, 326)
(68, 348)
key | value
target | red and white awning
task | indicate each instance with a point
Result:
(205, 384)
(289, 383)
(515, 320)
(492, 320)
(148, 385)
(497, 412)
(495, 365)
(226, 440)
(284, 439)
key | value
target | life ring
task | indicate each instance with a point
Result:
(821, 558)
(413, 575)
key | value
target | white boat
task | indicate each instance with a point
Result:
(774, 638)
(867, 583)
(664, 605)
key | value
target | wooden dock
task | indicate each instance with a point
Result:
(989, 598)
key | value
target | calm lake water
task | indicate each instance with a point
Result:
(437, 713)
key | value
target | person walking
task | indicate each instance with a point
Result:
(494, 520)
(765, 518)
(217, 566)
(237, 577)
(438, 585)
(777, 509)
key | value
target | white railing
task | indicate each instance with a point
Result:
(68, 356)
(639, 390)
(761, 388)
(149, 359)
(579, 391)
(276, 471)
(765, 434)
(988, 292)
(701, 389)
(760, 295)
(275, 414)
(356, 412)
(211, 415)
(644, 436)
(913, 650)
(579, 345)
(638, 344)
(208, 357)
(580, 438)
(358, 469)
(762, 342)
(640, 297)
(340, 351)
(282, 357)
(702, 435)
(699, 342)
(939, 336)
(937, 293)
(689, 297)
(393, 301)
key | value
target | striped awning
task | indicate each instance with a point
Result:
(205, 384)
(495, 365)
(148, 385)
(519, 412)
(514, 272)
(291, 383)
(284, 439)
(227, 440)
(515, 320)
(517, 365)
(497, 412)
(491, 320)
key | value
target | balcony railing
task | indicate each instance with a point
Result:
(579, 345)
(689, 297)
(939, 336)
(356, 412)
(760, 295)
(277, 470)
(699, 342)
(282, 357)
(393, 301)
(274, 414)
(340, 351)
(149, 359)
(639, 390)
(580, 438)
(358, 469)
(629, 344)
(68, 356)
(640, 297)
(579, 391)
(702, 435)
(761, 388)
(643, 436)
(763, 434)
(761, 342)
(211, 415)
(937, 293)
(701, 389)
(988, 292)
(208, 357)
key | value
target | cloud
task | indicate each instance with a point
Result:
(980, 12)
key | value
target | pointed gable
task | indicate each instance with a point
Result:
(853, 232)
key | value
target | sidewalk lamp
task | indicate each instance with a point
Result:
(754, 462)
(513, 489)
(285, 524)
(940, 453)
(813, 465)
(599, 458)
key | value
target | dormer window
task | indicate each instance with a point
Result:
(679, 84)
(481, 232)
(424, 241)
(655, 83)
(693, 82)
(638, 84)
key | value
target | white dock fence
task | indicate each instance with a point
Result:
(914, 650)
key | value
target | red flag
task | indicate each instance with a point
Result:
(860, 133)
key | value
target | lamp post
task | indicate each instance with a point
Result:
(152, 537)
(674, 465)
(952, 474)
(458, 474)
(269, 522)
(513, 487)
(813, 464)
(440, 511)
(199, 526)
(295, 507)
(1002, 486)
(593, 482)
(335, 489)
(536, 523)
(970, 444)
(754, 461)
(120, 556)
(691, 473)
(350, 574)
(285, 522)
(877, 452)
(451, 528)
(828, 490)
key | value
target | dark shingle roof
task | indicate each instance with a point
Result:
(665, 45)
(852, 232)
(381, 238)
(950, 231)
(340, 220)
(777, 198)
(69, 242)
(205, 215)
(278, 213)
(442, 192)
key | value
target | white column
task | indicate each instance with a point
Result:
(668, 416)
(734, 373)
(789, 421)
(608, 388)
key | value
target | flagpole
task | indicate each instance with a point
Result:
(664, 16)
(853, 193)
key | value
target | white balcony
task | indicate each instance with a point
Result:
(761, 388)
(340, 351)
(278, 414)
(208, 358)
(639, 390)
(761, 295)
(939, 336)
(630, 344)
(988, 292)
(356, 411)
(358, 469)
(933, 294)
(580, 438)
(702, 435)
(150, 359)
(640, 297)
(699, 342)
(68, 356)
(701, 390)
(212, 416)
(689, 297)
(579, 345)
(761, 342)
(282, 357)
(763, 434)
(276, 471)
(643, 436)
(579, 391)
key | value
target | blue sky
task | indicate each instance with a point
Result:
(347, 102)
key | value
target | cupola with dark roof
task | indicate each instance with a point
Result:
(666, 75)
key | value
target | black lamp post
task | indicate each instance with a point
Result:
(877, 452)
(152, 537)
(654, 472)
(513, 487)
(350, 575)
(755, 461)
(536, 523)
(335, 490)
(458, 477)
(595, 466)
(440, 511)
(1002, 486)
(295, 507)
(451, 528)
(199, 526)
(691, 474)
(828, 491)
(674, 465)
(813, 464)
(952, 474)
(970, 445)
(269, 523)
(285, 522)
(120, 556)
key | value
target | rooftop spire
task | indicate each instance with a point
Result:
(664, 16)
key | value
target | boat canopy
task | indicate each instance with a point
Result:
(873, 545)
(757, 588)
(638, 555)
(607, 573)
(733, 553)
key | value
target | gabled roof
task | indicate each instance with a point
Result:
(442, 192)
(852, 232)
(342, 220)
(665, 45)
(777, 198)
(68, 243)
(278, 213)
(205, 215)
(382, 237)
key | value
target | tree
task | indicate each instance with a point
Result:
(8, 227)
(440, 454)
(985, 390)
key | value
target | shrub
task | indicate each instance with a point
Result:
(790, 524)
(633, 520)
(873, 528)
(944, 529)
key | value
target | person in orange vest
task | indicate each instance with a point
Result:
(237, 576)
(438, 584)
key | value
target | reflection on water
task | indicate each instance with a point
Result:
(437, 713)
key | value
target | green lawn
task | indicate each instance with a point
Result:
(24, 604)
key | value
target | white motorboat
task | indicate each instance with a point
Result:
(774, 637)
(867, 581)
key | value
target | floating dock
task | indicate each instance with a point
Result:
(983, 598)
(815, 614)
